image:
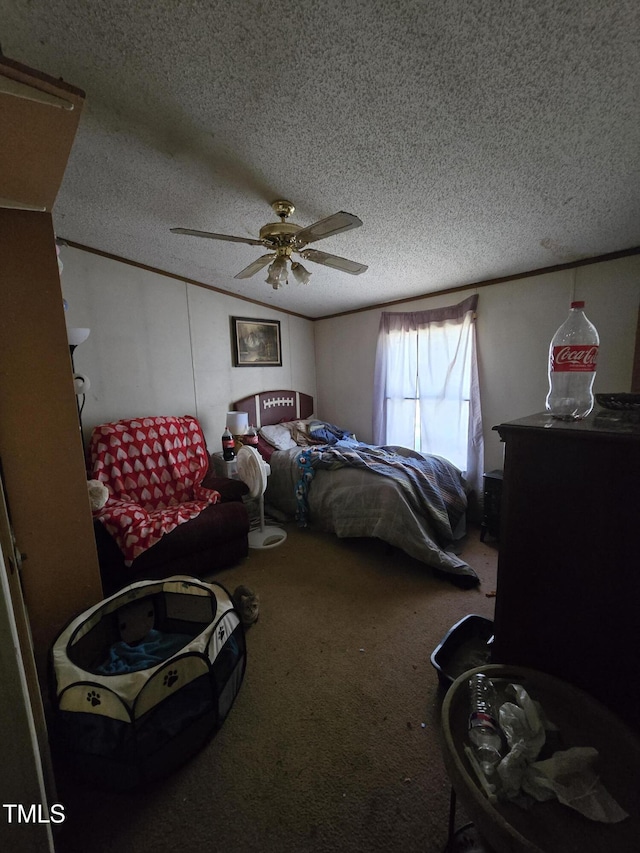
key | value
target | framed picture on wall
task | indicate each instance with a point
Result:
(256, 343)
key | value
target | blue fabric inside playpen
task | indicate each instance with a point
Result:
(152, 650)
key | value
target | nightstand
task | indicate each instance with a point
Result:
(223, 468)
(492, 497)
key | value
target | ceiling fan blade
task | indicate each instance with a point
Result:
(334, 261)
(212, 236)
(255, 267)
(334, 224)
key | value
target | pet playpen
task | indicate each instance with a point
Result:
(141, 680)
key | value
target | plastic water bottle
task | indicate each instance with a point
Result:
(573, 356)
(484, 732)
(228, 446)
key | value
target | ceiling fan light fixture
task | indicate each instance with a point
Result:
(278, 274)
(300, 273)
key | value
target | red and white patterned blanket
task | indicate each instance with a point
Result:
(152, 468)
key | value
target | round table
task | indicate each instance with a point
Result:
(549, 827)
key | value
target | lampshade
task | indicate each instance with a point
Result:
(81, 383)
(77, 336)
(237, 422)
(300, 274)
(278, 273)
(274, 282)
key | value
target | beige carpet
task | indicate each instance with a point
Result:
(333, 743)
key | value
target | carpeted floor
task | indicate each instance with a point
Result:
(333, 743)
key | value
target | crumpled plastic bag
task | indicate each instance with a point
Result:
(512, 769)
(523, 726)
(524, 722)
(568, 775)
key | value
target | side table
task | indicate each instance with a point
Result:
(223, 468)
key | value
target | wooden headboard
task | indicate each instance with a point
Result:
(274, 407)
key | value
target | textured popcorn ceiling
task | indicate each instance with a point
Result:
(474, 138)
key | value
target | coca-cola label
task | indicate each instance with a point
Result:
(482, 720)
(574, 358)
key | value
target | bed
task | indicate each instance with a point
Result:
(322, 476)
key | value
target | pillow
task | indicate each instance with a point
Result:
(277, 435)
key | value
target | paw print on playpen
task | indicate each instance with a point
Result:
(171, 677)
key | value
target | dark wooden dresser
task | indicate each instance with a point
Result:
(568, 590)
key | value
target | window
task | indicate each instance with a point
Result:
(426, 388)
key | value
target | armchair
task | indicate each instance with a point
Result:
(167, 513)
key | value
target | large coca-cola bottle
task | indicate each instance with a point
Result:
(573, 356)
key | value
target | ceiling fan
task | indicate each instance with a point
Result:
(284, 238)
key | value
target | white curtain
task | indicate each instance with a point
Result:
(426, 392)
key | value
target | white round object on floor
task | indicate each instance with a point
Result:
(267, 537)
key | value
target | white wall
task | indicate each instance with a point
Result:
(161, 346)
(516, 321)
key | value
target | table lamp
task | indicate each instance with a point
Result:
(238, 423)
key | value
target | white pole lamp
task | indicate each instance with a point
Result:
(81, 383)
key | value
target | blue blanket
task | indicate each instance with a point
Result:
(433, 486)
(152, 650)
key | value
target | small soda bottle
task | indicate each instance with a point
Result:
(250, 438)
(228, 446)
